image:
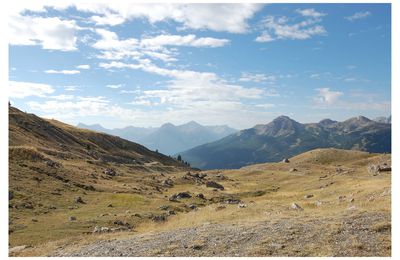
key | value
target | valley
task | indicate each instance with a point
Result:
(75, 192)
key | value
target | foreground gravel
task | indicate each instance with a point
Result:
(351, 235)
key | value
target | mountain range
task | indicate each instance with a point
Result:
(168, 139)
(284, 137)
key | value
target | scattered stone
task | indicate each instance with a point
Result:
(221, 176)
(351, 200)
(318, 203)
(110, 172)
(52, 164)
(341, 197)
(352, 208)
(164, 207)
(27, 205)
(292, 170)
(285, 160)
(192, 207)
(34, 220)
(79, 200)
(232, 201)
(117, 229)
(98, 229)
(376, 169)
(122, 223)
(110, 205)
(201, 196)
(213, 184)
(168, 183)
(10, 195)
(72, 218)
(296, 206)
(171, 212)
(308, 196)
(221, 207)
(202, 175)
(180, 195)
(197, 247)
(242, 205)
(159, 218)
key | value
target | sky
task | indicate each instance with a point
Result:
(236, 64)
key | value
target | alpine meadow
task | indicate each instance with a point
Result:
(199, 129)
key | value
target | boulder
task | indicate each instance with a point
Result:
(296, 206)
(292, 170)
(72, 218)
(168, 183)
(79, 200)
(98, 229)
(201, 196)
(110, 172)
(242, 205)
(180, 195)
(285, 160)
(213, 184)
(307, 196)
(232, 201)
(159, 218)
(192, 207)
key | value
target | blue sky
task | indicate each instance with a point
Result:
(235, 64)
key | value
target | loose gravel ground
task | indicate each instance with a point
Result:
(348, 235)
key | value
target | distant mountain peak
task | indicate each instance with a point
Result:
(282, 125)
(327, 122)
(167, 125)
(192, 124)
(359, 120)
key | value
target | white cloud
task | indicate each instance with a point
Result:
(83, 106)
(62, 97)
(256, 77)
(265, 106)
(358, 16)
(160, 55)
(217, 17)
(113, 48)
(108, 19)
(179, 40)
(70, 88)
(280, 28)
(51, 33)
(190, 88)
(114, 86)
(66, 72)
(110, 41)
(310, 12)
(264, 37)
(19, 89)
(327, 97)
(83, 67)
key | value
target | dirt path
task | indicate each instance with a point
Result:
(350, 235)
